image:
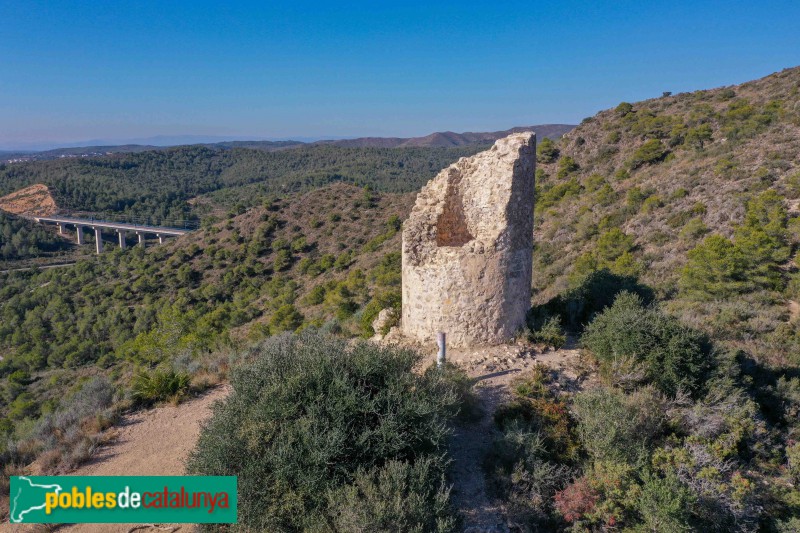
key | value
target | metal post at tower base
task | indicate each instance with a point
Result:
(440, 357)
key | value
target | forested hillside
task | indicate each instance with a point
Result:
(157, 184)
(21, 239)
(275, 268)
(667, 240)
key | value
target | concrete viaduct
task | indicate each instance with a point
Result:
(122, 229)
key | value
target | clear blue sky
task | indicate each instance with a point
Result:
(114, 70)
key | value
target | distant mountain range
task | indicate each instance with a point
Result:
(449, 138)
(437, 139)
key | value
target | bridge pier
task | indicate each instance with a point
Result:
(122, 229)
(98, 238)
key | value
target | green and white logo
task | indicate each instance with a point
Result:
(122, 499)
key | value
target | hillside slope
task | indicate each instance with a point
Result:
(669, 172)
(313, 258)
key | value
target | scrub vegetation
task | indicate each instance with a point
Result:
(667, 249)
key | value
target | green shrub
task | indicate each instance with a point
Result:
(566, 166)
(549, 197)
(624, 109)
(694, 229)
(546, 151)
(283, 260)
(398, 496)
(716, 268)
(149, 387)
(315, 296)
(762, 239)
(285, 318)
(617, 427)
(793, 461)
(622, 174)
(592, 292)
(546, 329)
(652, 203)
(635, 197)
(613, 244)
(665, 504)
(381, 301)
(312, 415)
(672, 356)
(650, 152)
(699, 136)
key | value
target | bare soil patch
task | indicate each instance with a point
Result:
(33, 200)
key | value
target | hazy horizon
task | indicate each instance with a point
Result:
(73, 73)
(172, 140)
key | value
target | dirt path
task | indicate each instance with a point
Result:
(155, 442)
(494, 369)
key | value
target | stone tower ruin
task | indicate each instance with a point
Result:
(468, 247)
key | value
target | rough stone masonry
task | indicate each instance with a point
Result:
(468, 248)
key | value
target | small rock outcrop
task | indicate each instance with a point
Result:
(468, 248)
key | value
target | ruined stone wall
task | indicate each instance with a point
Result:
(468, 248)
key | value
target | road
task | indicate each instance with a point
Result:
(40, 267)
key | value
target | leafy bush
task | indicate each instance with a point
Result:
(285, 318)
(793, 461)
(314, 419)
(613, 244)
(545, 329)
(398, 496)
(624, 109)
(150, 387)
(566, 166)
(592, 292)
(650, 152)
(604, 498)
(614, 426)
(665, 504)
(548, 197)
(546, 151)
(762, 239)
(381, 301)
(720, 268)
(673, 356)
(715, 268)
(699, 136)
